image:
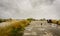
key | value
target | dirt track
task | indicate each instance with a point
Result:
(36, 29)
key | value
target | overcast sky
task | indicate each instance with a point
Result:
(49, 9)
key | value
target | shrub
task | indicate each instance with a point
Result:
(59, 22)
(4, 20)
(30, 19)
(49, 21)
(16, 28)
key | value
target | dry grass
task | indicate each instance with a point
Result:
(16, 28)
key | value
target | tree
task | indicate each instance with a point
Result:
(30, 19)
(49, 21)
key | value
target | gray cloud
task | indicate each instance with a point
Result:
(41, 2)
(30, 8)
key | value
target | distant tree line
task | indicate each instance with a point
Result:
(54, 21)
(4, 20)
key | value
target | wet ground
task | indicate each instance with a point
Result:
(45, 29)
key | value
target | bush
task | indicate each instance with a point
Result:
(49, 21)
(54, 21)
(10, 31)
(30, 19)
(4, 20)
(59, 22)
(16, 28)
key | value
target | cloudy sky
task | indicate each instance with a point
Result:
(49, 9)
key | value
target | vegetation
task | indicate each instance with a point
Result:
(43, 19)
(58, 22)
(16, 28)
(54, 21)
(49, 21)
(4, 20)
(30, 19)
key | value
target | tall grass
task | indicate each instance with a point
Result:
(16, 28)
